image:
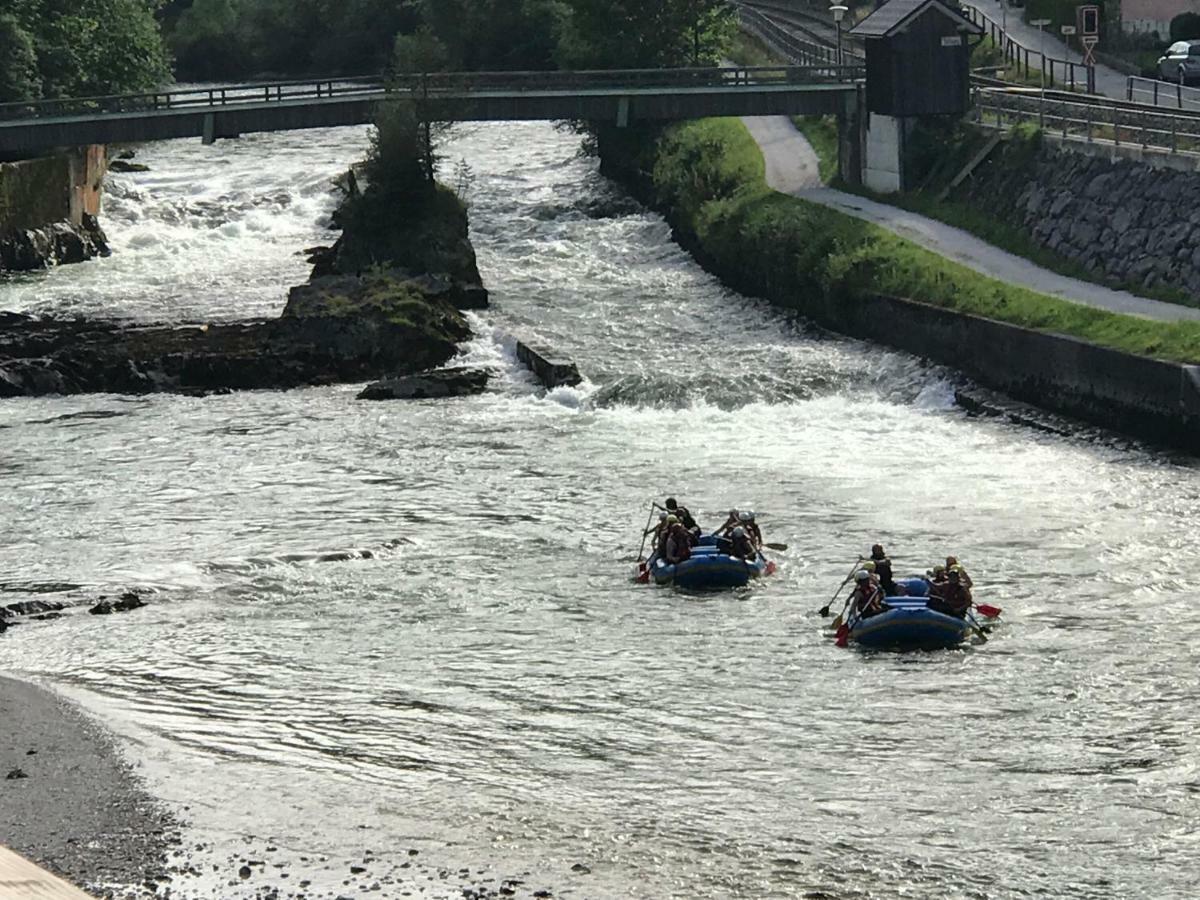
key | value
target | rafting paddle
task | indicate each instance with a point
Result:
(824, 610)
(646, 530)
(990, 611)
(771, 546)
(979, 631)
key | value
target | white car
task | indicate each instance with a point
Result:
(1181, 62)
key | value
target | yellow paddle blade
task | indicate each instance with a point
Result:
(837, 623)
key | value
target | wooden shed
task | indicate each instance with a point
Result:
(918, 58)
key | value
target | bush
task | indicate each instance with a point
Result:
(822, 262)
(1185, 27)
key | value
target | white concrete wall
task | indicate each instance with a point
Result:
(883, 169)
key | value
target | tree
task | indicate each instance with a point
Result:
(207, 42)
(1185, 27)
(630, 34)
(88, 47)
(19, 79)
(419, 52)
(400, 159)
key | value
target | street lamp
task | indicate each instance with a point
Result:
(1041, 24)
(838, 11)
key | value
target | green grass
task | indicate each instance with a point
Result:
(710, 176)
(747, 50)
(986, 225)
(822, 134)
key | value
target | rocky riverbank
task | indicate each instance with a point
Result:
(386, 299)
(70, 802)
(28, 249)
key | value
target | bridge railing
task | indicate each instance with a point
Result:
(214, 96)
(616, 79)
(1083, 120)
(1025, 60)
(426, 85)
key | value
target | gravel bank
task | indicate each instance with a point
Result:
(70, 802)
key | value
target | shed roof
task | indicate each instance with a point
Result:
(896, 14)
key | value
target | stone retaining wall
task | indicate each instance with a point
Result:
(1132, 222)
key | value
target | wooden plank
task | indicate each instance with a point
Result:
(22, 880)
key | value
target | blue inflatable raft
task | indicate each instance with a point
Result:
(909, 625)
(708, 568)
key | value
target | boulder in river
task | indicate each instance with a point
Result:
(452, 382)
(127, 601)
(335, 329)
(26, 249)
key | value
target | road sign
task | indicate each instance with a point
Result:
(1067, 30)
(1039, 23)
(1089, 19)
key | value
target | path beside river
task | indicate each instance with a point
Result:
(786, 152)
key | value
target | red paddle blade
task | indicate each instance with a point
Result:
(643, 573)
(843, 636)
(990, 611)
(770, 570)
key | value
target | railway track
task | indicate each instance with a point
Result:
(805, 26)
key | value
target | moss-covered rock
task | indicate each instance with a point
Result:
(420, 234)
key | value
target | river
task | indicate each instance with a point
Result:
(478, 679)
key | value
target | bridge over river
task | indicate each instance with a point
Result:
(618, 96)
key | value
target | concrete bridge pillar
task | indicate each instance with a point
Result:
(883, 153)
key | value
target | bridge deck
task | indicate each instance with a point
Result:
(22, 880)
(210, 113)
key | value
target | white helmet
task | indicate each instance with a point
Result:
(745, 517)
(749, 515)
(739, 531)
(662, 517)
(862, 575)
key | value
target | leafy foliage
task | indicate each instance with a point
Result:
(709, 174)
(83, 47)
(233, 38)
(614, 34)
(1185, 27)
(19, 78)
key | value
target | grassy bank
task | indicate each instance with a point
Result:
(709, 176)
(927, 200)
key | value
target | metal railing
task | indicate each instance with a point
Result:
(188, 98)
(795, 49)
(430, 85)
(1161, 93)
(1025, 60)
(1089, 122)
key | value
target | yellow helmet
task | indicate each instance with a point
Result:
(869, 566)
(937, 570)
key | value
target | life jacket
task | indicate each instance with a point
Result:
(868, 600)
(743, 547)
(676, 549)
(685, 517)
(955, 597)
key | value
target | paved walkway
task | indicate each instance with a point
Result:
(1109, 82)
(788, 170)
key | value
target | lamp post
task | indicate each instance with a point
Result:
(838, 11)
(1041, 24)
